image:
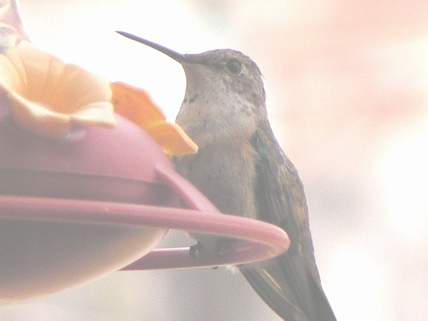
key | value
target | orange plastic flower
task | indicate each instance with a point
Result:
(135, 105)
(47, 96)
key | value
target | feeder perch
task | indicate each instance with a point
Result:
(99, 200)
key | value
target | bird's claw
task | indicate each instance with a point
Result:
(220, 249)
(195, 251)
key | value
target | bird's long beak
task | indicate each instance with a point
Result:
(170, 53)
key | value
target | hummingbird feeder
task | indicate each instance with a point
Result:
(86, 191)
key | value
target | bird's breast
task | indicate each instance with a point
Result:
(225, 174)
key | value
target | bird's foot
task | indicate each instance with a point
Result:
(195, 251)
(216, 249)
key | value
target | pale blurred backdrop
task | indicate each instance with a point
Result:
(347, 85)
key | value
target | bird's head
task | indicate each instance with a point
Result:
(223, 87)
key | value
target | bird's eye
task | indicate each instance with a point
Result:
(234, 66)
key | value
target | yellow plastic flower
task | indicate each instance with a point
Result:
(48, 97)
(135, 105)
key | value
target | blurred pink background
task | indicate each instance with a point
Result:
(347, 97)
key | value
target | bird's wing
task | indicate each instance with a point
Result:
(289, 284)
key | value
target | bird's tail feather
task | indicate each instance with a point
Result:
(266, 289)
(290, 290)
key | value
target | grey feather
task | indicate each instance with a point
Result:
(289, 284)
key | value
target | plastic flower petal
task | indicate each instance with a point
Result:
(48, 97)
(135, 105)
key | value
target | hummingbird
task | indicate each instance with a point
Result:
(242, 169)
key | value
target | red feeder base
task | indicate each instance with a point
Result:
(72, 211)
